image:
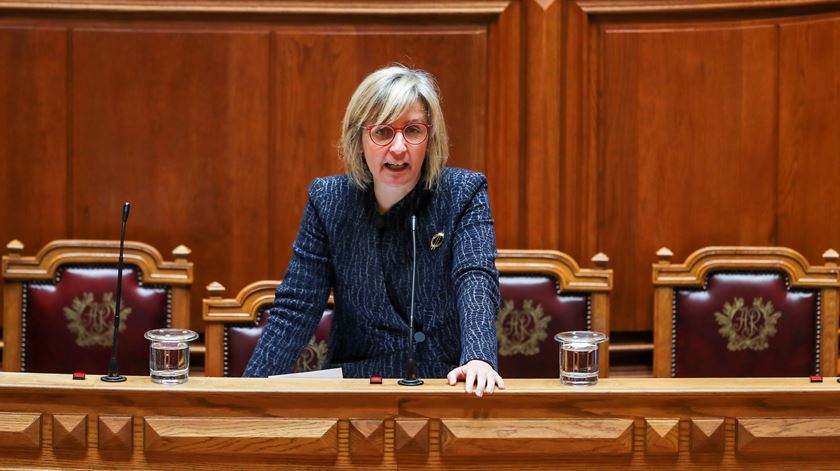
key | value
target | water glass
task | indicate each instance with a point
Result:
(579, 356)
(169, 355)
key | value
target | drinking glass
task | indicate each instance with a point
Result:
(579, 356)
(169, 355)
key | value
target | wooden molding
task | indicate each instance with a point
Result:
(242, 308)
(287, 424)
(420, 7)
(69, 431)
(367, 437)
(699, 264)
(44, 264)
(765, 436)
(558, 265)
(264, 436)
(662, 436)
(115, 433)
(411, 436)
(19, 430)
(542, 73)
(537, 436)
(663, 322)
(707, 435)
(612, 7)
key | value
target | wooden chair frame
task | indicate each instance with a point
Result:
(218, 311)
(693, 272)
(597, 282)
(19, 269)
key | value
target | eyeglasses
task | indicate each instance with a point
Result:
(383, 134)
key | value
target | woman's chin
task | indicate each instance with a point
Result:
(396, 179)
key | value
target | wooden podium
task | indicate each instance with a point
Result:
(210, 423)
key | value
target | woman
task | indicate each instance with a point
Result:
(356, 239)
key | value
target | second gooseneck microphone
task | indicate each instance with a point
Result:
(411, 363)
(114, 375)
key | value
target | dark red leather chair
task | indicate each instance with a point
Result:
(234, 325)
(59, 305)
(544, 293)
(745, 311)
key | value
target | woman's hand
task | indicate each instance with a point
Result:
(478, 373)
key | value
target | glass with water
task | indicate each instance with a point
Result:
(579, 356)
(169, 355)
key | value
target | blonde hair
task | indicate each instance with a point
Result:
(382, 97)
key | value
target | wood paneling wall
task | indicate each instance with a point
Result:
(614, 126)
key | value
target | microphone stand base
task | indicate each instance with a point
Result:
(113, 379)
(410, 382)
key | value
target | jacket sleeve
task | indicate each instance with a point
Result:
(300, 299)
(476, 279)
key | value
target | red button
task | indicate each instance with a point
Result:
(78, 375)
(376, 380)
(816, 379)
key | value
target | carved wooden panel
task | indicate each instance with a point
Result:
(411, 436)
(263, 436)
(662, 436)
(33, 136)
(230, 423)
(707, 435)
(176, 122)
(213, 124)
(681, 138)
(545, 197)
(809, 67)
(69, 431)
(801, 436)
(692, 124)
(115, 433)
(481, 436)
(367, 437)
(20, 430)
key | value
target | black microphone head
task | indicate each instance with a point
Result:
(126, 209)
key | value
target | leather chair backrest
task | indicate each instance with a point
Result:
(233, 327)
(69, 325)
(745, 324)
(745, 312)
(241, 340)
(532, 312)
(544, 293)
(59, 316)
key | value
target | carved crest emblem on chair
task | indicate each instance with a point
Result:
(312, 357)
(748, 327)
(92, 321)
(521, 331)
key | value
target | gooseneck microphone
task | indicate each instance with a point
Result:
(411, 364)
(114, 375)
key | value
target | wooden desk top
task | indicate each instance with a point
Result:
(609, 386)
(622, 423)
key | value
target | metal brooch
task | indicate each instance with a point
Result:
(437, 240)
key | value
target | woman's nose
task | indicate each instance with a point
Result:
(398, 144)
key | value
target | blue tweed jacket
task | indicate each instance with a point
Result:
(343, 244)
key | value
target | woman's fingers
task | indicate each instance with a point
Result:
(480, 382)
(455, 375)
(470, 379)
(479, 376)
